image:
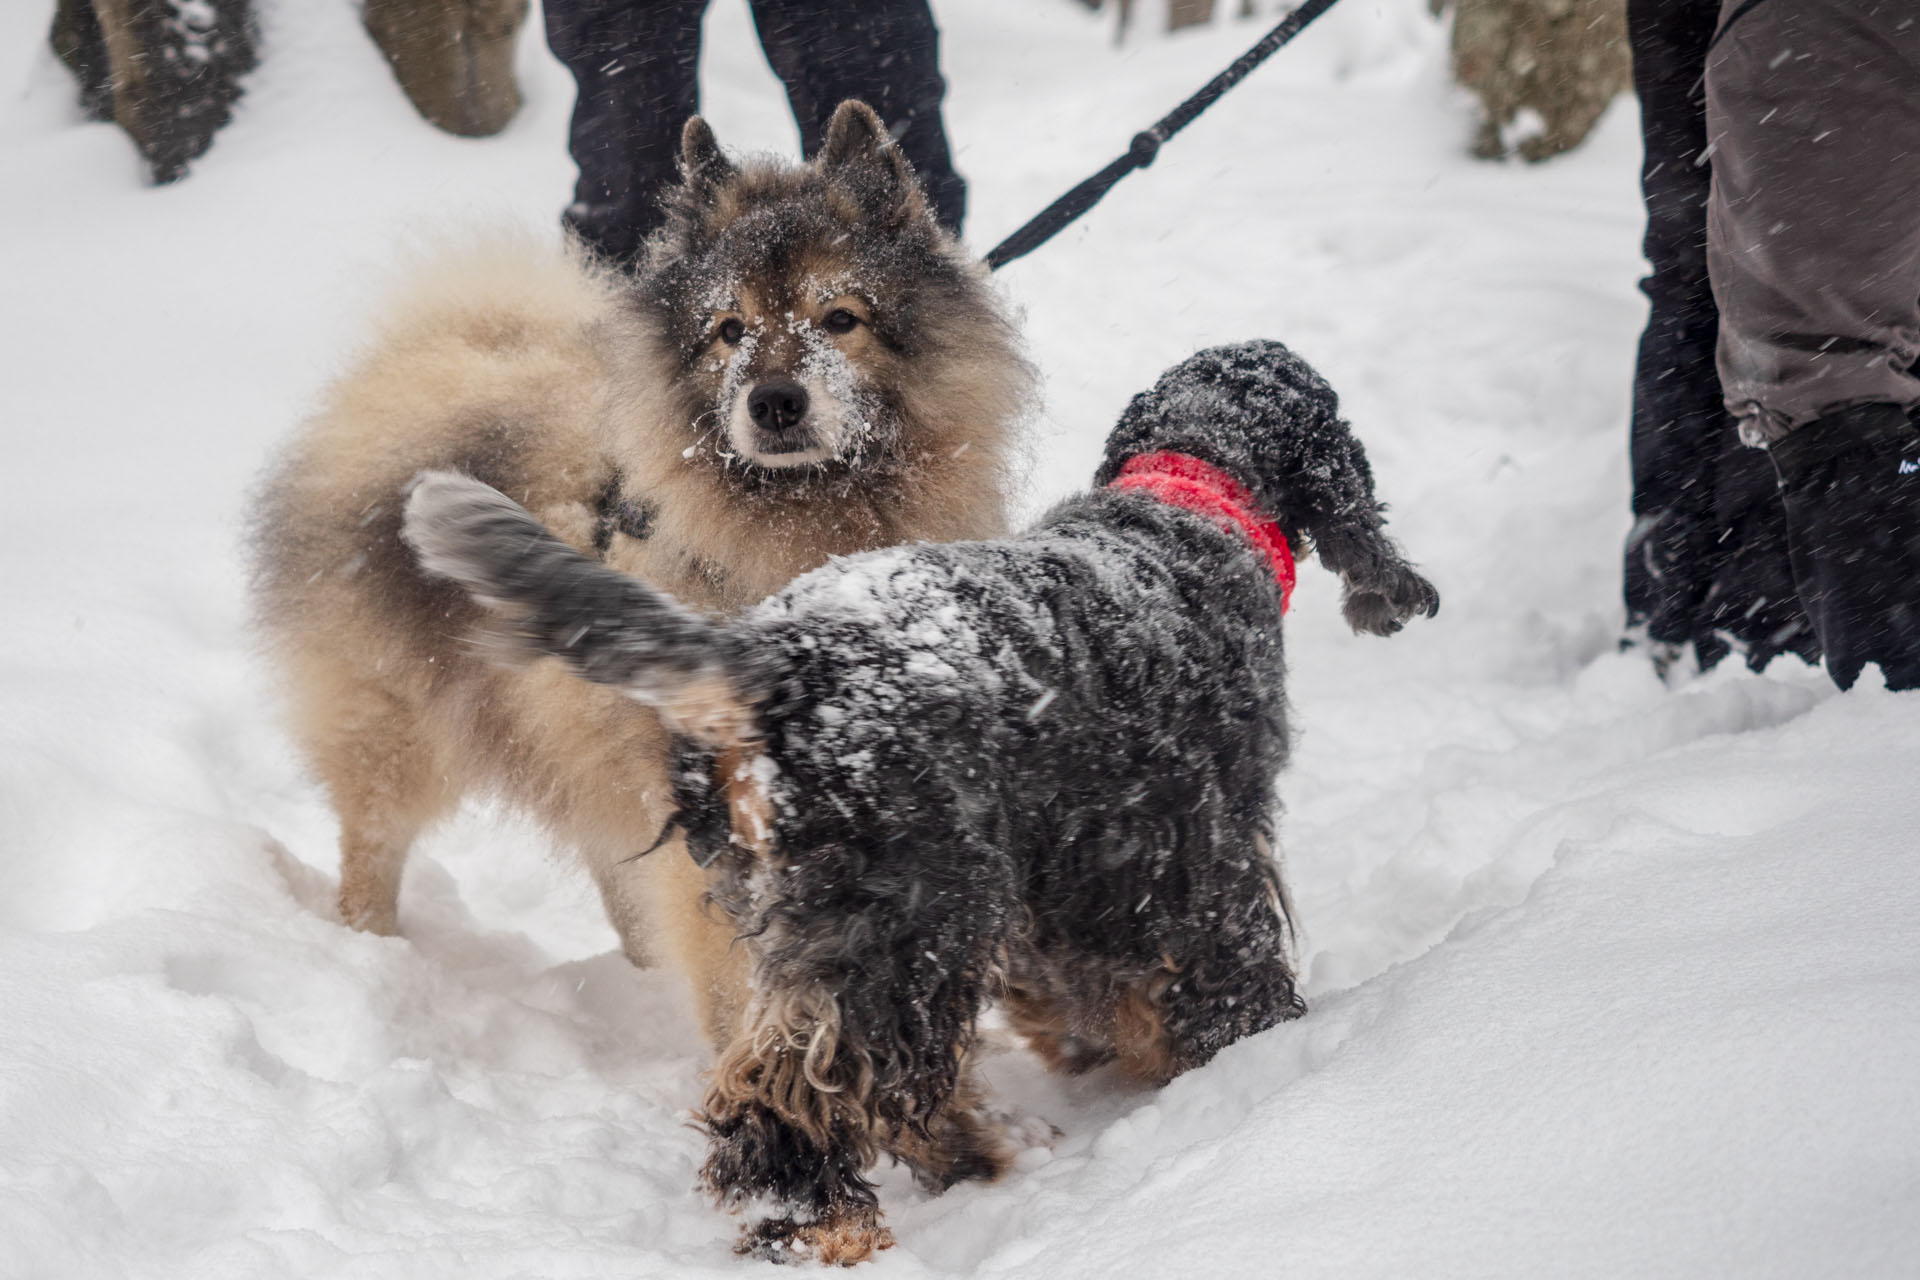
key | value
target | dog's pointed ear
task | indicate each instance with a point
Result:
(855, 135)
(703, 166)
(860, 155)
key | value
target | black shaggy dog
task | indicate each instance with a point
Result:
(1040, 768)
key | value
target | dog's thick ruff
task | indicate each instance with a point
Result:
(603, 403)
(1043, 765)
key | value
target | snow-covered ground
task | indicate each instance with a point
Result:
(1607, 978)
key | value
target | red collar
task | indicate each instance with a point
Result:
(1184, 481)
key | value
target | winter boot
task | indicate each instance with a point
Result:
(1711, 569)
(1851, 485)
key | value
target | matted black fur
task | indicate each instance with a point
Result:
(1042, 766)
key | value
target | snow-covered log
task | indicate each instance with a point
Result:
(454, 58)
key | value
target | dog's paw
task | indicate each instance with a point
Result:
(369, 913)
(839, 1239)
(1023, 1131)
(1383, 604)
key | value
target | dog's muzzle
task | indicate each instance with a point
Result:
(784, 424)
(778, 411)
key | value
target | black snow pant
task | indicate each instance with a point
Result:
(636, 64)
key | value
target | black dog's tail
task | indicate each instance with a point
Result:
(1261, 413)
(543, 597)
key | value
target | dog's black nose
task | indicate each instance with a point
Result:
(775, 406)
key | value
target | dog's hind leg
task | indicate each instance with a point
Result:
(1046, 1019)
(385, 780)
(965, 1139)
(1225, 989)
(789, 1117)
(686, 930)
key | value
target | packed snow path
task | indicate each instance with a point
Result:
(1607, 978)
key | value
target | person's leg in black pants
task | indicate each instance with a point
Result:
(883, 52)
(1706, 563)
(636, 63)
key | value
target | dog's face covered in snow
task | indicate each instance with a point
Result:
(815, 322)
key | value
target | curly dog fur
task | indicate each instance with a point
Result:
(1041, 766)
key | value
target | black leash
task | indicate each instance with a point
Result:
(1057, 216)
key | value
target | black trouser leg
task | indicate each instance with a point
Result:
(1677, 412)
(883, 52)
(636, 63)
(1706, 563)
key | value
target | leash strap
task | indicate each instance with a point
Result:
(1184, 481)
(1055, 218)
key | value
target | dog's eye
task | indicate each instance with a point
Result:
(840, 320)
(732, 330)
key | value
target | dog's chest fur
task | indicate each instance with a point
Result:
(670, 529)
